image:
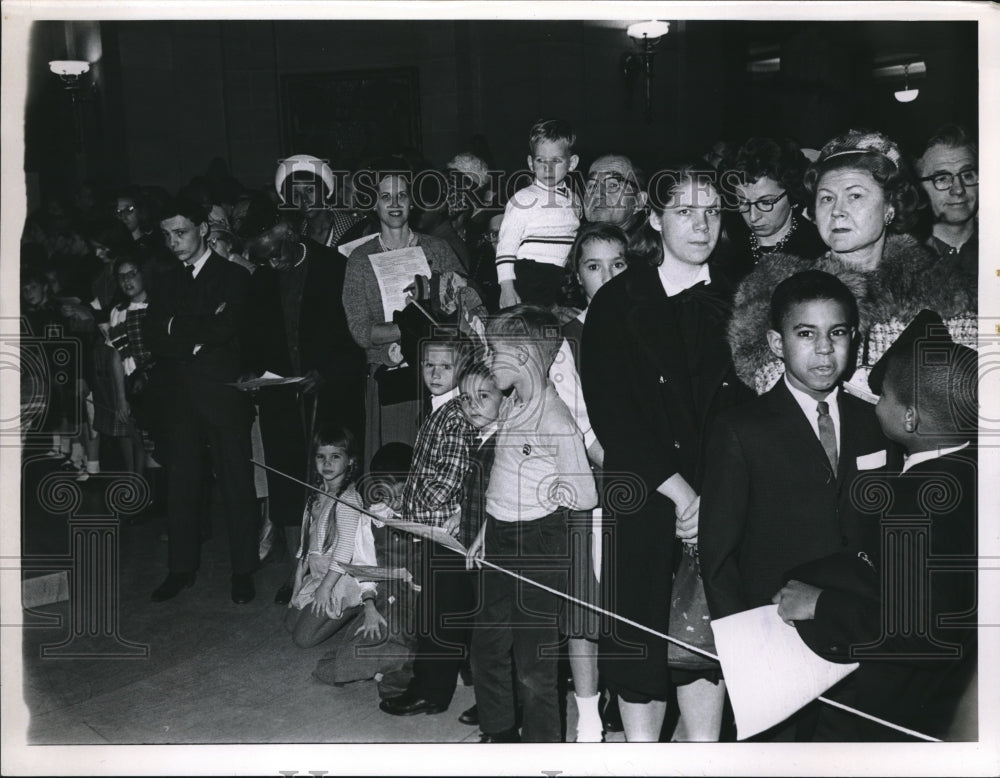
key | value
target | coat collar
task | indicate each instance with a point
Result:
(654, 333)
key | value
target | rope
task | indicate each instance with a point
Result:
(615, 616)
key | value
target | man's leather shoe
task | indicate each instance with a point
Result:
(507, 736)
(470, 716)
(410, 704)
(284, 595)
(172, 586)
(611, 717)
(243, 590)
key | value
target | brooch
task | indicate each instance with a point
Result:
(526, 449)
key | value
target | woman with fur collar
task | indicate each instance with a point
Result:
(861, 200)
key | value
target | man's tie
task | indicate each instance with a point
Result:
(827, 435)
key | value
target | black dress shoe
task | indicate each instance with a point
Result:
(410, 704)
(243, 590)
(611, 716)
(507, 736)
(470, 716)
(172, 586)
(284, 595)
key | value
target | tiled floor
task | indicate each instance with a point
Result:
(207, 671)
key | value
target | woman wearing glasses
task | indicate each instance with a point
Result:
(765, 186)
(863, 200)
(133, 210)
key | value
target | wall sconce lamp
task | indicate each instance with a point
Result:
(906, 95)
(69, 71)
(645, 36)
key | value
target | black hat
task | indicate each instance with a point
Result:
(926, 328)
(261, 215)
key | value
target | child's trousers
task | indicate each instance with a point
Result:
(520, 619)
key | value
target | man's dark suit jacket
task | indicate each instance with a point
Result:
(770, 501)
(325, 343)
(919, 673)
(206, 311)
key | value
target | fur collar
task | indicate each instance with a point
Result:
(908, 279)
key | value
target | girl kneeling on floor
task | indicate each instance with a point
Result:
(325, 598)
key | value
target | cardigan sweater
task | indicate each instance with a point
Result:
(362, 301)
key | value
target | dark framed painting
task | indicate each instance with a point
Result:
(348, 117)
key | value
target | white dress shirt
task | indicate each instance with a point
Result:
(810, 408)
(925, 456)
(672, 288)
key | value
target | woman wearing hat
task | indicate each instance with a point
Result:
(862, 201)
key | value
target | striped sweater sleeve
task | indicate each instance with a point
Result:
(346, 530)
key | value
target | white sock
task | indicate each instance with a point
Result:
(76, 454)
(588, 724)
(93, 466)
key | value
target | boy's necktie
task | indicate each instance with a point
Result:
(827, 435)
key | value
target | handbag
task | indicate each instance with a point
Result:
(689, 617)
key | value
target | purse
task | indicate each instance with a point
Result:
(689, 617)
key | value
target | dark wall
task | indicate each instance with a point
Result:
(173, 95)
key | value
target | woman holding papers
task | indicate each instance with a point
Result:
(372, 292)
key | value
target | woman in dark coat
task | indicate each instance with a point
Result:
(656, 371)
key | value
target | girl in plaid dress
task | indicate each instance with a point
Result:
(128, 363)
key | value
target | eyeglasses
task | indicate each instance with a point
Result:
(944, 181)
(764, 204)
(125, 211)
(610, 184)
(128, 275)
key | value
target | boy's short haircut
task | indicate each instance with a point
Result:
(182, 205)
(528, 324)
(551, 130)
(459, 346)
(941, 381)
(33, 274)
(809, 285)
(476, 368)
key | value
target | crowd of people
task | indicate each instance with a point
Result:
(594, 383)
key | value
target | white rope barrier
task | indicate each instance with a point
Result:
(612, 615)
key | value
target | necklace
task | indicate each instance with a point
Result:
(758, 251)
(411, 242)
(305, 253)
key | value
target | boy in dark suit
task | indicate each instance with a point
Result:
(779, 467)
(193, 321)
(916, 638)
(777, 484)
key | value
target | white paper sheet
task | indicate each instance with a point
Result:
(267, 379)
(394, 271)
(770, 672)
(348, 248)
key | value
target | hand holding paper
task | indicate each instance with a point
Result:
(770, 672)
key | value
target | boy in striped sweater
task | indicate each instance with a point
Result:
(540, 221)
